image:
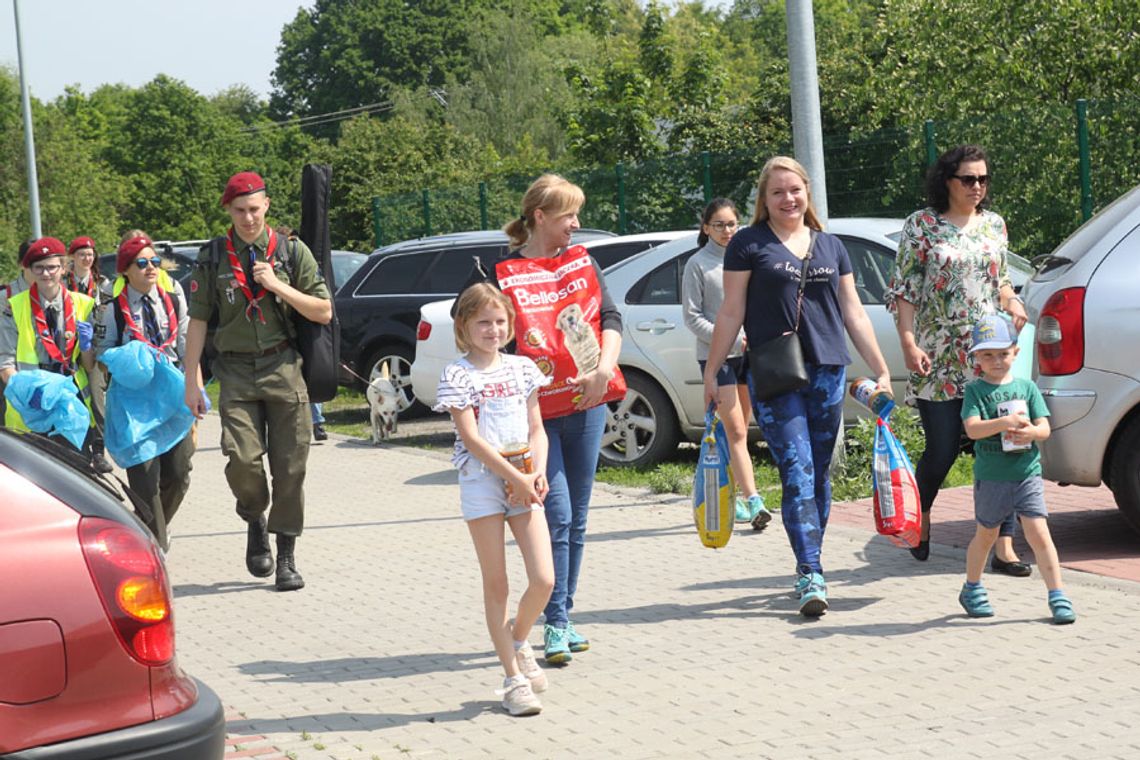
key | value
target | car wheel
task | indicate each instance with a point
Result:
(641, 429)
(399, 359)
(1124, 473)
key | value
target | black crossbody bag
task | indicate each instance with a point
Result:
(777, 365)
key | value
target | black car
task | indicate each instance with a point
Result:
(379, 306)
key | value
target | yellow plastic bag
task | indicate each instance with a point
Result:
(714, 492)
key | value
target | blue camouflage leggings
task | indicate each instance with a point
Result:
(801, 428)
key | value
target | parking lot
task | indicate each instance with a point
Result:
(697, 653)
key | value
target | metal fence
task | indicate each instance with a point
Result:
(1052, 167)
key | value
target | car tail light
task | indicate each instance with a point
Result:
(132, 586)
(1061, 333)
(423, 330)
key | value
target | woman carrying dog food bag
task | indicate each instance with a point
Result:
(567, 323)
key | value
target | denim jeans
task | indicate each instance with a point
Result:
(317, 412)
(574, 444)
(942, 426)
(801, 428)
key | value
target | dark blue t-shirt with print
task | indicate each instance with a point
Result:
(771, 307)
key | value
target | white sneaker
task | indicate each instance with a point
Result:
(519, 698)
(529, 668)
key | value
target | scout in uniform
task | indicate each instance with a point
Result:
(152, 309)
(83, 277)
(46, 327)
(264, 404)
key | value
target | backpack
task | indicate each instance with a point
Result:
(318, 345)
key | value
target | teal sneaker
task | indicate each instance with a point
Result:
(576, 641)
(975, 601)
(1062, 610)
(556, 650)
(813, 596)
(743, 514)
(759, 515)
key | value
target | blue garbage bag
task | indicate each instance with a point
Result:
(49, 403)
(146, 413)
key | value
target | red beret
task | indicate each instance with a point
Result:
(130, 250)
(44, 248)
(244, 183)
(81, 242)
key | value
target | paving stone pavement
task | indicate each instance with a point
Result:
(696, 653)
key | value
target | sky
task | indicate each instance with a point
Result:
(93, 42)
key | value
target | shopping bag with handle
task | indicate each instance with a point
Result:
(714, 492)
(894, 488)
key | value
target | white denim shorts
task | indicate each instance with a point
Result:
(482, 493)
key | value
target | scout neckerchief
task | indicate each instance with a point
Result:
(92, 287)
(45, 333)
(130, 324)
(239, 274)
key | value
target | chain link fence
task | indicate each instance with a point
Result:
(1052, 166)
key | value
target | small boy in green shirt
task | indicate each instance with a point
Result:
(1006, 415)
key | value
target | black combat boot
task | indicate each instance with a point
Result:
(258, 556)
(288, 579)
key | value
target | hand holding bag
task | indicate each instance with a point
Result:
(777, 365)
(714, 492)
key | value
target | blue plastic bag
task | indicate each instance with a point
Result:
(714, 492)
(894, 489)
(49, 403)
(146, 411)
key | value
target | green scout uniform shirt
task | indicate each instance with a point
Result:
(990, 462)
(210, 287)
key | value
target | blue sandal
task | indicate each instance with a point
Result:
(975, 601)
(1062, 610)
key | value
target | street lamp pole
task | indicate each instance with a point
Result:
(807, 134)
(29, 138)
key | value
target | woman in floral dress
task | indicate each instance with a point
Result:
(950, 270)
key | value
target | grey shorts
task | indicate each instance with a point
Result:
(482, 493)
(995, 500)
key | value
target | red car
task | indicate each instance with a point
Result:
(87, 660)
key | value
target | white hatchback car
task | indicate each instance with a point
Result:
(1083, 303)
(658, 354)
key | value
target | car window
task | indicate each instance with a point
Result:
(871, 266)
(344, 264)
(608, 255)
(394, 274)
(452, 268)
(662, 285)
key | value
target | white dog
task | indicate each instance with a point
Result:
(383, 403)
(579, 338)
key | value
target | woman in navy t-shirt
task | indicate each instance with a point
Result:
(761, 281)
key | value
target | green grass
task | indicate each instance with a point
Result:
(853, 482)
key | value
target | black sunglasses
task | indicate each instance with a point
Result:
(155, 261)
(969, 180)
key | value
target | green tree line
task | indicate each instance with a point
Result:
(401, 96)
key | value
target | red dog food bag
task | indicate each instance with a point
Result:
(558, 323)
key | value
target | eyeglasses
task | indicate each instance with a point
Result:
(45, 268)
(969, 180)
(722, 226)
(155, 261)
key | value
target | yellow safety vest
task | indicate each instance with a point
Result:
(28, 359)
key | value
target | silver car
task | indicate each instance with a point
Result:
(1084, 307)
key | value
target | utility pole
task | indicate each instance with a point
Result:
(29, 138)
(807, 128)
(807, 134)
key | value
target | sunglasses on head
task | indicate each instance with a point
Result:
(154, 261)
(969, 180)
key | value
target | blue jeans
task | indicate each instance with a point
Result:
(801, 428)
(317, 413)
(574, 444)
(942, 426)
